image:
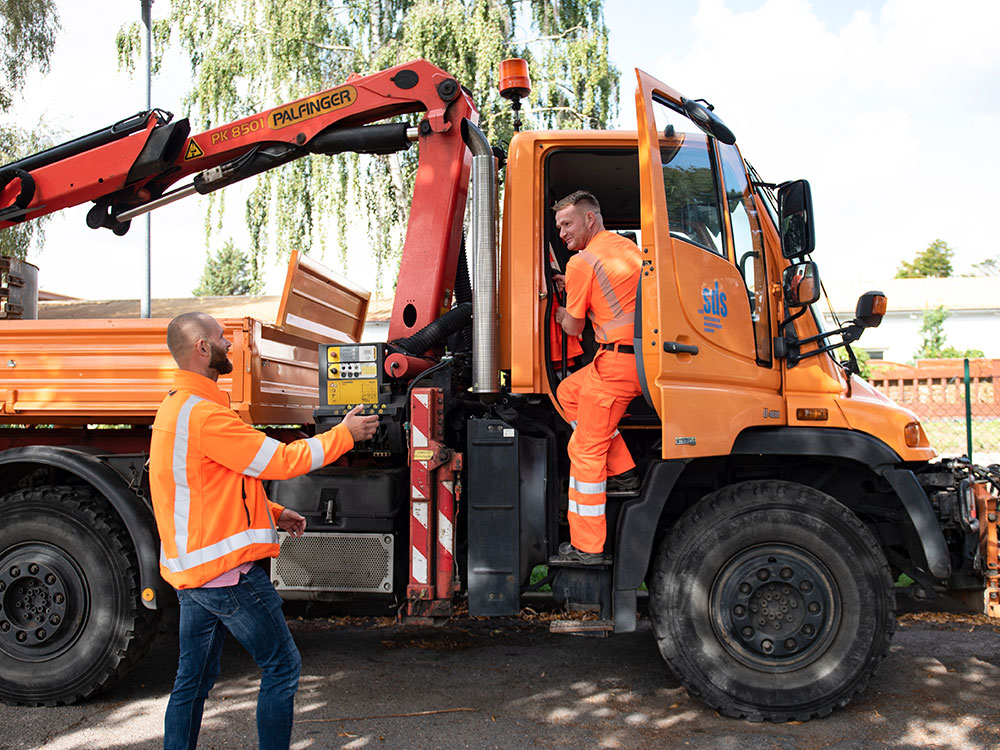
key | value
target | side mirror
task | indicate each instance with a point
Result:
(871, 307)
(800, 284)
(707, 120)
(795, 217)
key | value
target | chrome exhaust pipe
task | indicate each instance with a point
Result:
(484, 231)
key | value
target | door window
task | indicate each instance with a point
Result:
(748, 244)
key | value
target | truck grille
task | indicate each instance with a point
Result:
(334, 562)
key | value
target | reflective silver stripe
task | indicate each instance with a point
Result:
(187, 560)
(592, 511)
(619, 317)
(182, 491)
(316, 447)
(587, 488)
(601, 274)
(263, 457)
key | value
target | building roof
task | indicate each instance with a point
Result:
(264, 309)
(969, 293)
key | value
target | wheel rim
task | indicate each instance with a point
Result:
(775, 608)
(43, 602)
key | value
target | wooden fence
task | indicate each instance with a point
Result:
(935, 388)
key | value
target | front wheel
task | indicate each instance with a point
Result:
(771, 600)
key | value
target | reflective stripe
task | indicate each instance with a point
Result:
(619, 317)
(186, 560)
(586, 510)
(182, 491)
(587, 488)
(316, 447)
(264, 455)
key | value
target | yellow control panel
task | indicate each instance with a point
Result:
(352, 375)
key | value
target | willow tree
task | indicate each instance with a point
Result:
(248, 55)
(28, 30)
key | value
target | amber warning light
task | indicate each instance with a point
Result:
(515, 85)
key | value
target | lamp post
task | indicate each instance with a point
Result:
(147, 19)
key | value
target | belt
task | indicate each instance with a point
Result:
(624, 348)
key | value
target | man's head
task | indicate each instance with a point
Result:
(578, 217)
(197, 343)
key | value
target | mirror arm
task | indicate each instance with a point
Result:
(849, 334)
(790, 318)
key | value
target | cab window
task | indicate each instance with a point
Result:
(690, 181)
(748, 245)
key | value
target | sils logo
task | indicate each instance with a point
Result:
(713, 308)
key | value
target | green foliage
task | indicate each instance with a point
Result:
(989, 267)
(864, 363)
(228, 272)
(933, 262)
(28, 29)
(249, 55)
(934, 345)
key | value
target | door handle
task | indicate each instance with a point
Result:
(672, 347)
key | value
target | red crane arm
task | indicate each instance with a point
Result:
(128, 168)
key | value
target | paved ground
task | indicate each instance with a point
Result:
(510, 684)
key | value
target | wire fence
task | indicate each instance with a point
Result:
(957, 401)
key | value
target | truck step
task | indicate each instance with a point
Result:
(598, 628)
(624, 493)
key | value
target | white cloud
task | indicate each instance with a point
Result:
(890, 117)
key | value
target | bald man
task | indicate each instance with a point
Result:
(206, 468)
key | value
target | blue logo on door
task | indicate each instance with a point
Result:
(713, 308)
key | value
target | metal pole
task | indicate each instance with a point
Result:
(968, 413)
(148, 21)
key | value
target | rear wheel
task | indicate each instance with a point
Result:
(71, 622)
(771, 600)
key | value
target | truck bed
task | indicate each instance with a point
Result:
(116, 371)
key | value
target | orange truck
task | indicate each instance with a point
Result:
(781, 497)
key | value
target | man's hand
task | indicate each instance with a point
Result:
(559, 281)
(361, 428)
(291, 522)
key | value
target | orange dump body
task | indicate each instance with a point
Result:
(116, 371)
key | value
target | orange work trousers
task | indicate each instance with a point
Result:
(594, 399)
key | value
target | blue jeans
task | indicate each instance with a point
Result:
(251, 611)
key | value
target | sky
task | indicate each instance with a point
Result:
(890, 108)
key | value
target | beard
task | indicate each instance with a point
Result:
(220, 361)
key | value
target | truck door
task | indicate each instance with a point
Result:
(706, 327)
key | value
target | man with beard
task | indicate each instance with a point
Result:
(206, 468)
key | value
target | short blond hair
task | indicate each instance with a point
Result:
(583, 198)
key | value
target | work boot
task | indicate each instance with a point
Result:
(570, 555)
(627, 481)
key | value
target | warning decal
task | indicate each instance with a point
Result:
(193, 151)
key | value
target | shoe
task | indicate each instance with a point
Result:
(570, 555)
(627, 481)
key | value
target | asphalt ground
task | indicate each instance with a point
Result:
(509, 683)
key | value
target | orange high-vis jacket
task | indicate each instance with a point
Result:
(601, 283)
(205, 472)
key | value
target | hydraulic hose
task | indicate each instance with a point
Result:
(437, 331)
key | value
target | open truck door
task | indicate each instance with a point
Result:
(705, 327)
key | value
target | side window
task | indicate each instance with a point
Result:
(692, 193)
(748, 244)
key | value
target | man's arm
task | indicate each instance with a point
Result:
(228, 440)
(572, 326)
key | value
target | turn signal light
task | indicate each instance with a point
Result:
(913, 433)
(812, 415)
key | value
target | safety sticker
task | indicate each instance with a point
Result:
(193, 151)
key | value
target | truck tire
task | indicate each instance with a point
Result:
(771, 600)
(71, 622)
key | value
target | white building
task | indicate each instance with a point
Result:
(973, 305)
